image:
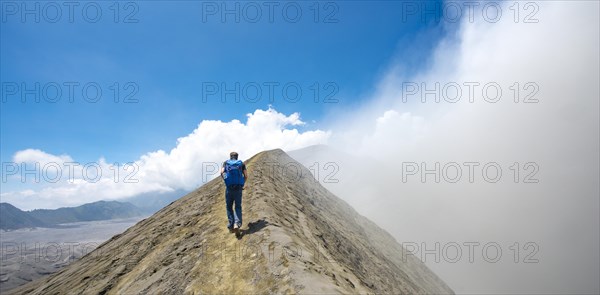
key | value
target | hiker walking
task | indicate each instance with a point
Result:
(234, 174)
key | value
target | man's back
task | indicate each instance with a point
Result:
(234, 174)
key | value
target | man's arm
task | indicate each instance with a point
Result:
(244, 172)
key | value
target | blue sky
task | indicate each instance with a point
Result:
(172, 50)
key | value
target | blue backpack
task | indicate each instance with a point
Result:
(233, 173)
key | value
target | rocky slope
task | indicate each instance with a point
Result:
(297, 238)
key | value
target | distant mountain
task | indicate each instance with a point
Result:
(101, 210)
(12, 217)
(149, 203)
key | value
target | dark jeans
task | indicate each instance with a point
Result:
(233, 194)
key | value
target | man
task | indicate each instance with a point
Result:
(234, 174)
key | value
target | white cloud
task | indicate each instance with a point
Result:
(186, 166)
(560, 134)
(405, 129)
(38, 156)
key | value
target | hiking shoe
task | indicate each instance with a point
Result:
(237, 230)
(230, 228)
